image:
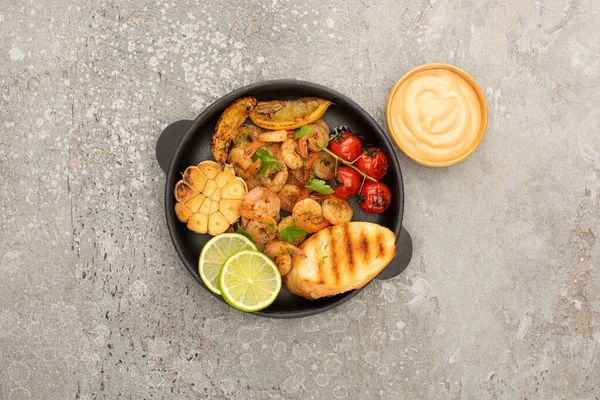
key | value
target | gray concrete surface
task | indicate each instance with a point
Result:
(501, 301)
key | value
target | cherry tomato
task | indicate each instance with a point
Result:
(346, 183)
(346, 146)
(375, 197)
(373, 163)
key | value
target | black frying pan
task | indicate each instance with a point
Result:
(186, 143)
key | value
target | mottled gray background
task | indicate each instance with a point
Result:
(501, 301)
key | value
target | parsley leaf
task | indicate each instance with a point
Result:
(241, 231)
(265, 160)
(291, 233)
(303, 131)
(320, 186)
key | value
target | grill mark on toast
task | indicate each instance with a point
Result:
(380, 240)
(349, 249)
(364, 245)
(332, 254)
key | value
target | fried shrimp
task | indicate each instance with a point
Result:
(247, 134)
(261, 232)
(318, 136)
(321, 164)
(291, 155)
(261, 204)
(274, 136)
(290, 195)
(308, 215)
(336, 211)
(281, 253)
(285, 223)
(275, 176)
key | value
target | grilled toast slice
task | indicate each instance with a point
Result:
(340, 258)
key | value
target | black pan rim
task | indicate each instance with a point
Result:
(227, 99)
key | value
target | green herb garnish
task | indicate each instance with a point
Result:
(320, 186)
(303, 131)
(292, 233)
(241, 231)
(265, 160)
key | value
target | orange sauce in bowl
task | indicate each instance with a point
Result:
(437, 115)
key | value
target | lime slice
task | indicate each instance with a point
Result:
(249, 281)
(214, 254)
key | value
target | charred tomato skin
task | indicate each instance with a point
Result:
(373, 163)
(375, 197)
(345, 183)
(346, 146)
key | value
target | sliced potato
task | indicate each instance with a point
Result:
(224, 177)
(198, 223)
(235, 190)
(184, 191)
(217, 223)
(209, 168)
(195, 202)
(230, 209)
(183, 213)
(228, 126)
(210, 188)
(195, 177)
(288, 114)
(216, 196)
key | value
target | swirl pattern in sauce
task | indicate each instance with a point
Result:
(436, 116)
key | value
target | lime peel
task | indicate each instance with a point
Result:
(216, 251)
(249, 281)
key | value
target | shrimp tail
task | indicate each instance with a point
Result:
(308, 166)
(252, 215)
(279, 157)
(322, 225)
(295, 250)
(255, 167)
(250, 150)
(312, 160)
(303, 146)
(318, 196)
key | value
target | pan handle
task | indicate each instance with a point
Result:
(404, 250)
(168, 140)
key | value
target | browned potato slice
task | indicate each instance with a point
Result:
(183, 213)
(210, 188)
(230, 209)
(184, 192)
(227, 127)
(205, 206)
(195, 177)
(195, 202)
(235, 190)
(217, 223)
(198, 223)
(216, 196)
(224, 177)
(209, 168)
